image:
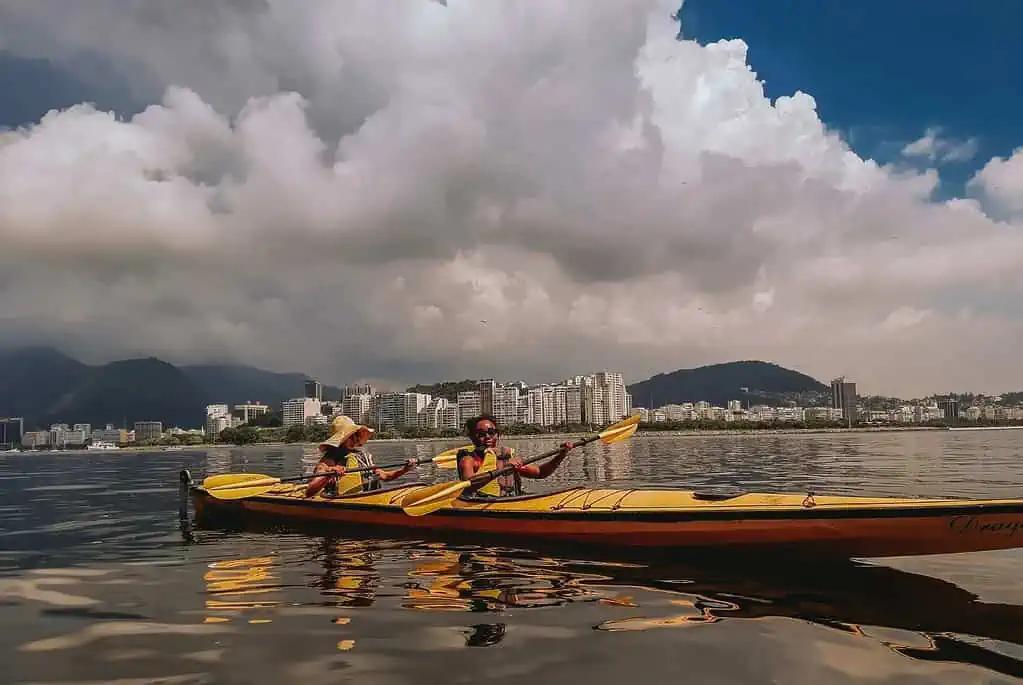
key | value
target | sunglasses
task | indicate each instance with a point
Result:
(488, 431)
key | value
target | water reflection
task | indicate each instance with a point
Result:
(238, 585)
(484, 634)
(917, 616)
(446, 580)
(349, 577)
(864, 600)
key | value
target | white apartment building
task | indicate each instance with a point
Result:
(440, 413)
(469, 404)
(400, 409)
(506, 404)
(359, 407)
(547, 405)
(613, 387)
(299, 410)
(218, 417)
(247, 411)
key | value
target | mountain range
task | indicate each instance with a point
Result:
(46, 386)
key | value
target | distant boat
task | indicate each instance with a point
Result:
(102, 445)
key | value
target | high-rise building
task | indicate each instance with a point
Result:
(487, 389)
(12, 430)
(610, 388)
(439, 413)
(314, 390)
(557, 402)
(358, 407)
(574, 397)
(299, 410)
(218, 417)
(469, 404)
(400, 409)
(506, 404)
(415, 402)
(546, 405)
(534, 406)
(949, 407)
(450, 418)
(843, 397)
(356, 389)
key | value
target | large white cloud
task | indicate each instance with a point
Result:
(351, 187)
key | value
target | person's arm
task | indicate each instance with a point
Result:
(395, 473)
(317, 484)
(545, 469)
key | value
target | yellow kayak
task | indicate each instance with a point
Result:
(665, 519)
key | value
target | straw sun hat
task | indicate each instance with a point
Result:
(342, 428)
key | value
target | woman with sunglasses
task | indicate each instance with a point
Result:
(487, 456)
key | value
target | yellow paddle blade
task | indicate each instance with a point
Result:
(448, 458)
(433, 497)
(243, 490)
(222, 479)
(620, 431)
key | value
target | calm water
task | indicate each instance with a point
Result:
(101, 581)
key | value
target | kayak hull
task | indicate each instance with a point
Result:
(668, 520)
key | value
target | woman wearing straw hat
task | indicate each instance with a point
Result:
(342, 451)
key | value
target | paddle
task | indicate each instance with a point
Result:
(433, 497)
(229, 486)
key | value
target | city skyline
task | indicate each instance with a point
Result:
(598, 398)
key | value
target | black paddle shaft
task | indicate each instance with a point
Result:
(483, 478)
(361, 469)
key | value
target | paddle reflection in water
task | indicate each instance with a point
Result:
(235, 586)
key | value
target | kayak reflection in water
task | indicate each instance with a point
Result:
(343, 450)
(349, 574)
(486, 455)
(445, 580)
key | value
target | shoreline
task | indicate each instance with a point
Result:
(685, 433)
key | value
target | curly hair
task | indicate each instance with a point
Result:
(470, 425)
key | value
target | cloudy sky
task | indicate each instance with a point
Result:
(419, 190)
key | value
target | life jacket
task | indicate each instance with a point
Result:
(508, 485)
(352, 483)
